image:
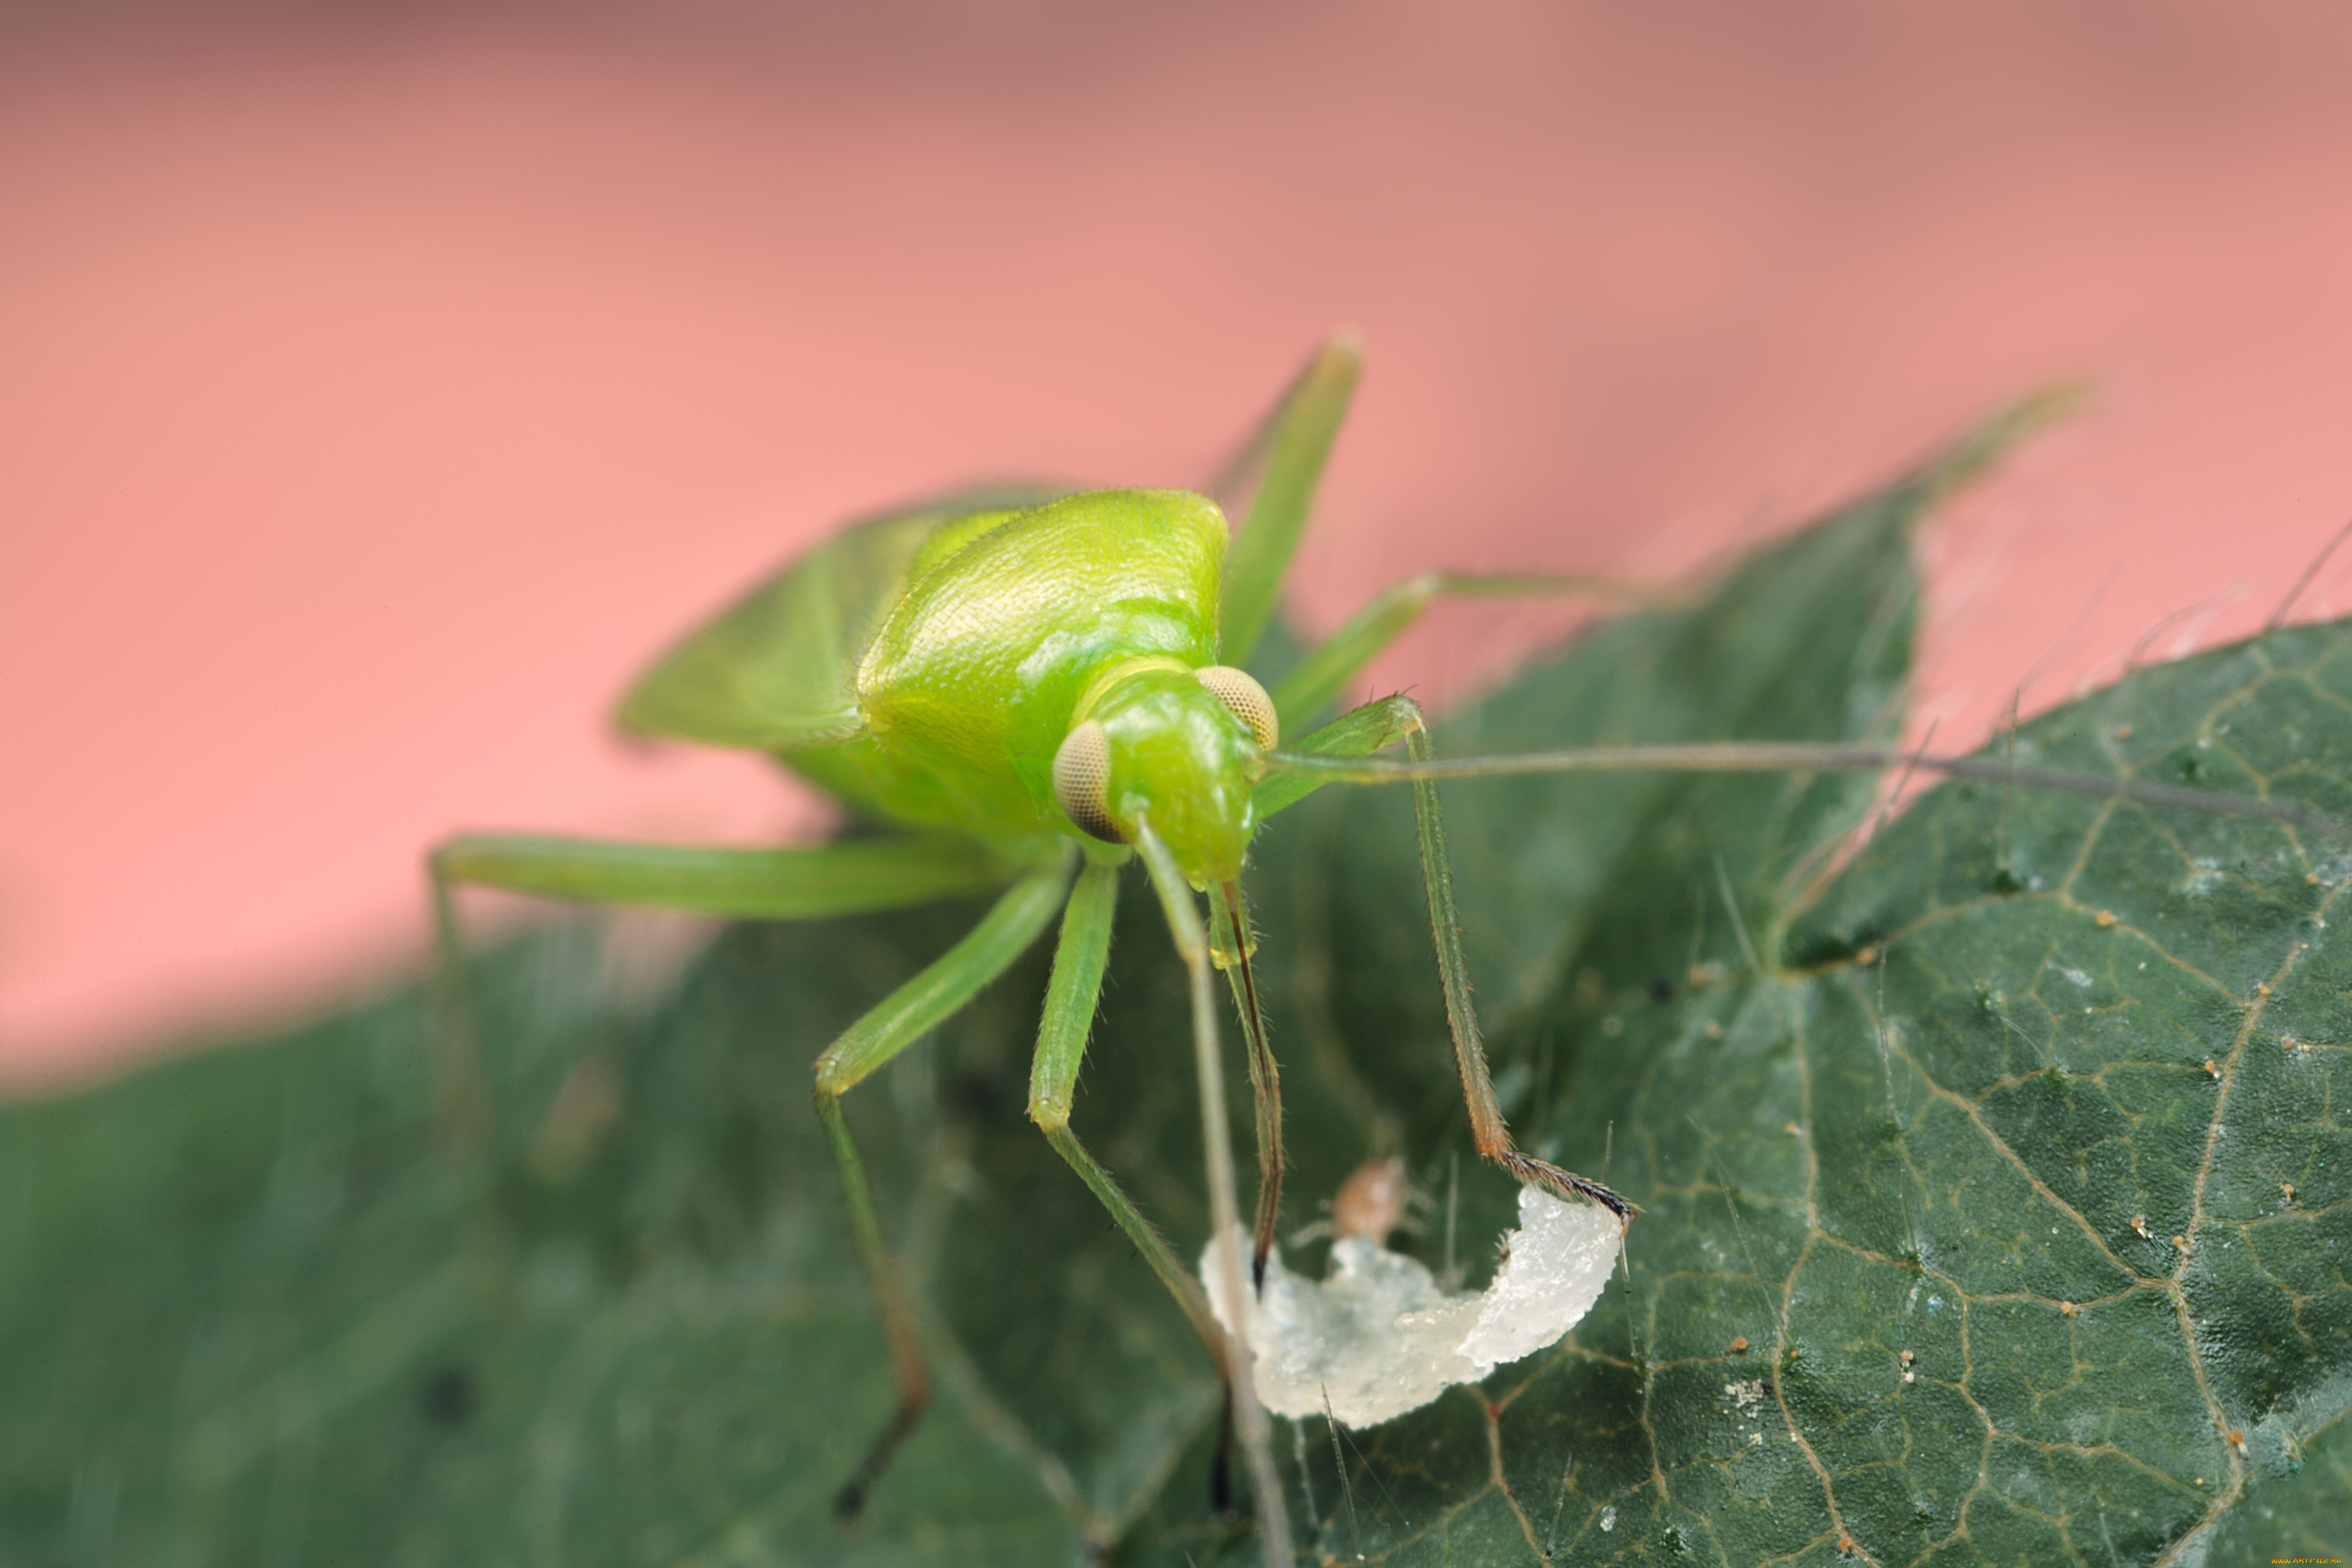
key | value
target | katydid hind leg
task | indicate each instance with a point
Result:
(941, 989)
(461, 1096)
(1287, 452)
(1318, 679)
(847, 878)
(1486, 1125)
(743, 883)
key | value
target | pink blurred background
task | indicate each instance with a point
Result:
(378, 388)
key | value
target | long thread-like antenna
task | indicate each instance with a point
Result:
(1789, 756)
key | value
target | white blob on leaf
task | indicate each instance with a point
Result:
(1377, 1338)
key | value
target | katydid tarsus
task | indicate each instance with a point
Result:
(1035, 689)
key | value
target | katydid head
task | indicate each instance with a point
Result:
(1181, 747)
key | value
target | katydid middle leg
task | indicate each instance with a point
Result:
(901, 1019)
(799, 883)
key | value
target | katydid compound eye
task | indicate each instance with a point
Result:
(1082, 782)
(1248, 701)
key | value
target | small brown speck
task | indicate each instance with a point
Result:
(1867, 955)
(1739, 1345)
(1371, 1202)
(2104, 918)
(2312, 878)
(2067, 1309)
(1845, 1547)
(2123, 731)
(1908, 1358)
(2288, 1190)
(1714, 1031)
(2180, 1244)
(2211, 1070)
(2238, 1441)
(2263, 988)
(2139, 1224)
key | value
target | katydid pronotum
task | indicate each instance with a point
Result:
(1035, 689)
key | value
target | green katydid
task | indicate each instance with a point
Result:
(1035, 689)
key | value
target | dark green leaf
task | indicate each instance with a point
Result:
(253, 1308)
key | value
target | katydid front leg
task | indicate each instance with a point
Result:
(1230, 948)
(1493, 1139)
(1071, 998)
(1360, 733)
